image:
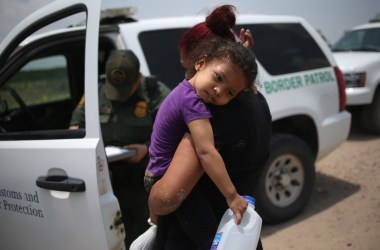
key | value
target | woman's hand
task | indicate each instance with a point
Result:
(246, 38)
(238, 205)
(153, 218)
(141, 152)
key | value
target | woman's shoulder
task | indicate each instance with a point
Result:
(245, 105)
(252, 100)
(249, 96)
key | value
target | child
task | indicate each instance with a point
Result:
(222, 70)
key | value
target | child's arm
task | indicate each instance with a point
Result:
(213, 165)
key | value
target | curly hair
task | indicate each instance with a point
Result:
(218, 48)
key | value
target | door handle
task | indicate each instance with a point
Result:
(61, 183)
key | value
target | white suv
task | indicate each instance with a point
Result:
(55, 190)
(358, 56)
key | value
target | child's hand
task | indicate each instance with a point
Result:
(246, 38)
(238, 205)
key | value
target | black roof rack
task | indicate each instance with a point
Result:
(375, 19)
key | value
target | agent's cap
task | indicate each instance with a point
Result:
(122, 72)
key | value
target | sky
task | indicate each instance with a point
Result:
(331, 17)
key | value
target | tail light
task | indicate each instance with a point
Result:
(341, 88)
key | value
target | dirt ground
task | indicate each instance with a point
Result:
(344, 209)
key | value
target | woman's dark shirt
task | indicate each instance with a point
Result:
(242, 132)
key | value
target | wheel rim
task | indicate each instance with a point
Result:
(284, 180)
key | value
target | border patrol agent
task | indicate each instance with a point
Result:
(128, 103)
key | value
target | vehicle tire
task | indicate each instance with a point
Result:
(370, 115)
(287, 180)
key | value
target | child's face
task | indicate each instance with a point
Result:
(218, 81)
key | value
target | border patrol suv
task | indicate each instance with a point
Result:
(55, 190)
(358, 55)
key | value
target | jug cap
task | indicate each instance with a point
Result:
(250, 199)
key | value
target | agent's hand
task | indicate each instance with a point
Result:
(238, 206)
(246, 38)
(141, 152)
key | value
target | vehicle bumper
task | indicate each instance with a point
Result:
(358, 96)
(334, 131)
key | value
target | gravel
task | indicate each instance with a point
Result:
(344, 209)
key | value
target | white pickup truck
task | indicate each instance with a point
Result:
(55, 190)
(358, 56)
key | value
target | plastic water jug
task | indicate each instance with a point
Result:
(245, 236)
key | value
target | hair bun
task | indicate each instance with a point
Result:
(222, 20)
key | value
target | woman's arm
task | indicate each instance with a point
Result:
(183, 173)
(185, 170)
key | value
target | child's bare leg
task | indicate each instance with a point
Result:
(183, 173)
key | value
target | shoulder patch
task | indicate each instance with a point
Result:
(141, 109)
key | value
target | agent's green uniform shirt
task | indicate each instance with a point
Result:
(126, 122)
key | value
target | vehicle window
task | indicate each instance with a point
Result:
(162, 55)
(359, 40)
(40, 81)
(284, 48)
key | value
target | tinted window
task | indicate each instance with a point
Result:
(286, 48)
(37, 101)
(359, 40)
(40, 81)
(40, 84)
(37, 97)
(161, 52)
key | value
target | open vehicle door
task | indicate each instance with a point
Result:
(55, 190)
